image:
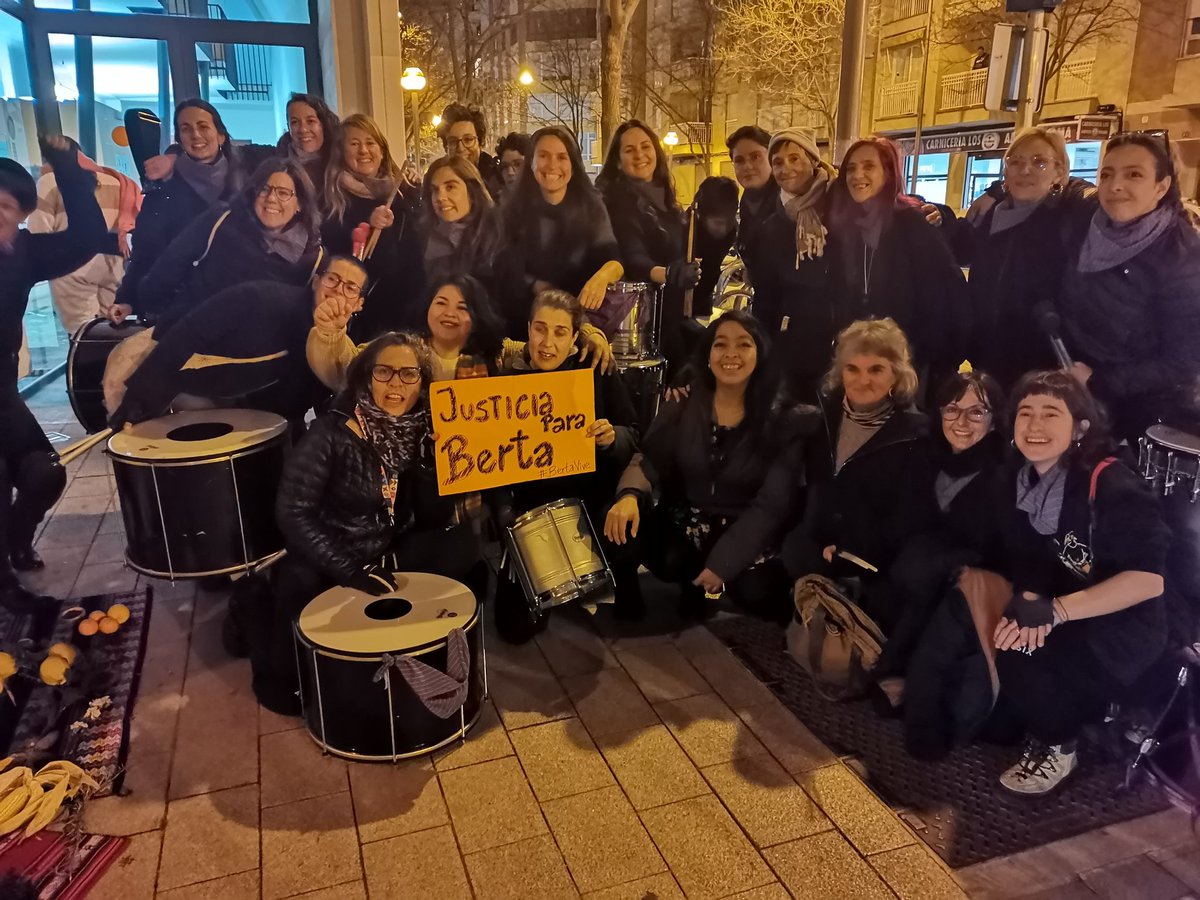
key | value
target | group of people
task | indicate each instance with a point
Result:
(835, 430)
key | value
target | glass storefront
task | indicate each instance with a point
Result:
(933, 176)
(171, 49)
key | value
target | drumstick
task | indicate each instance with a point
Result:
(80, 447)
(375, 232)
(691, 246)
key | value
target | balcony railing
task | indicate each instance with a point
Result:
(903, 9)
(1074, 80)
(698, 133)
(963, 90)
(899, 99)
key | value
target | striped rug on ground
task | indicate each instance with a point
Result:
(43, 866)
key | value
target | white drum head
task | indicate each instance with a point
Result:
(423, 610)
(1174, 439)
(197, 434)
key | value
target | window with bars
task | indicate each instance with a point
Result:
(1191, 30)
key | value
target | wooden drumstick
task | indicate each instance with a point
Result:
(691, 247)
(375, 232)
(80, 447)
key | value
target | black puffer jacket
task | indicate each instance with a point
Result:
(331, 508)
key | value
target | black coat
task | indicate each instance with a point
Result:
(882, 495)
(493, 178)
(207, 257)
(800, 292)
(758, 485)
(1015, 277)
(1138, 327)
(595, 489)
(168, 208)
(39, 257)
(1122, 530)
(754, 209)
(912, 277)
(395, 270)
(647, 236)
(330, 507)
(554, 244)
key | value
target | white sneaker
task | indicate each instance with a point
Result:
(1040, 770)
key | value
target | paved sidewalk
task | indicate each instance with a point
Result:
(653, 766)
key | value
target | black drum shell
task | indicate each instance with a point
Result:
(202, 502)
(356, 708)
(90, 348)
(643, 380)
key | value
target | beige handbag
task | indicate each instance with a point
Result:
(832, 639)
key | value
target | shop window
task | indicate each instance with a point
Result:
(981, 172)
(933, 175)
(1085, 160)
(237, 10)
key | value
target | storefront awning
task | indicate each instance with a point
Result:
(996, 139)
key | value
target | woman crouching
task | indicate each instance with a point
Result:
(1086, 548)
(345, 499)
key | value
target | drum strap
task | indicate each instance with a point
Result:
(442, 693)
(212, 236)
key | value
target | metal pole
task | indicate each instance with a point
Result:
(854, 48)
(416, 144)
(1033, 62)
(916, 154)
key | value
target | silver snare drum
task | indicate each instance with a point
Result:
(1169, 458)
(556, 554)
(636, 333)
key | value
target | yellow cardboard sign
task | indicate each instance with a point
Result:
(510, 429)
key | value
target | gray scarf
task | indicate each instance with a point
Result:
(206, 179)
(289, 242)
(1042, 500)
(1108, 244)
(1010, 214)
(445, 239)
(381, 189)
(803, 210)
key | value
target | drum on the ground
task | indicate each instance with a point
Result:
(556, 555)
(197, 491)
(1170, 460)
(637, 313)
(644, 379)
(86, 359)
(365, 662)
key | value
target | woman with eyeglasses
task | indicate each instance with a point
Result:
(553, 329)
(1130, 296)
(345, 500)
(869, 474)
(889, 261)
(206, 172)
(1017, 250)
(364, 185)
(967, 454)
(558, 234)
(511, 152)
(268, 233)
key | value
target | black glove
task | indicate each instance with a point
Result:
(683, 275)
(373, 580)
(1030, 613)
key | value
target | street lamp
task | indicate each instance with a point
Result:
(671, 139)
(413, 81)
(436, 120)
(526, 77)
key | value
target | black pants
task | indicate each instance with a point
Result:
(664, 548)
(451, 552)
(1058, 689)
(29, 466)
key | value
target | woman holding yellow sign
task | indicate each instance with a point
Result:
(725, 462)
(554, 323)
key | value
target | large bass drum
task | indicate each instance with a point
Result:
(86, 359)
(365, 662)
(197, 491)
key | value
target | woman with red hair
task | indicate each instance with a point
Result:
(890, 262)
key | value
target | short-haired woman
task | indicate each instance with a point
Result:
(891, 262)
(1018, 250)
(870, 480)
(558, 234)
(364, 184)
(725, 466)
(268, 233)
(511, 153)
(1086, 549)
(555, 320)
(1130, 296)
(205, 173)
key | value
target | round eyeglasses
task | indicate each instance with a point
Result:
(951, 413)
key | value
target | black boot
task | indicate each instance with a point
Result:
(694, 605)
(16, 598)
